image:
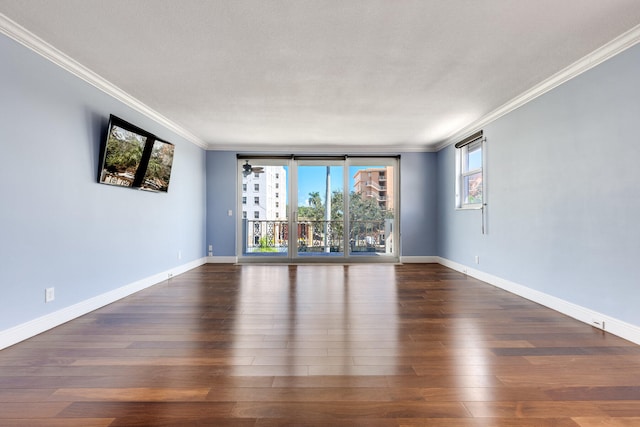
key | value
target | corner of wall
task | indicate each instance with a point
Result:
(34, 327)
(606, 323)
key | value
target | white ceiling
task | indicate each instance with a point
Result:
(324, 75)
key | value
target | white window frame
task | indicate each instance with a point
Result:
(463, 171)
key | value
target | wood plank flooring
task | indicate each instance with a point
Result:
(312, 345)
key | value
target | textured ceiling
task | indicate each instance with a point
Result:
(298, 74)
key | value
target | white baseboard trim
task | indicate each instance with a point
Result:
(420, 259)
(36, 326)
(612, 325)
(222, 260)
(41, 324)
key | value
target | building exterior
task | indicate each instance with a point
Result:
(264, 195)
(376, 183)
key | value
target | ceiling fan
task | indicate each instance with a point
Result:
(247, 169)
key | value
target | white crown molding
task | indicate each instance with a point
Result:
(591, 317)
(44, 49)
(324, 148)
(41, 324)
(598, 56)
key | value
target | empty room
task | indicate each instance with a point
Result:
(319, 213)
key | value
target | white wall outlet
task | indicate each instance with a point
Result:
(49, 294)
(597, 323)
(477, 259)
(210, 250)
(179, 254)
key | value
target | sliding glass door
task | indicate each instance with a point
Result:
(263, 206)
(319, 213)
(316, 209)
(372, 207)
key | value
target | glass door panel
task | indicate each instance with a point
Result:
(263, 206)
(319, 218)
(372, 207)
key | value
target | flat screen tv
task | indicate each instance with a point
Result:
(132, 157)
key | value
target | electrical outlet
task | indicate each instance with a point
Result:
(477, 259)
(49, 294)
(210, 250)
(597, 323)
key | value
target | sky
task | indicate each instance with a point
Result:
(312, 178)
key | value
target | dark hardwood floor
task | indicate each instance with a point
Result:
(311, 345)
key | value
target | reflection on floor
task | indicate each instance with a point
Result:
(318, 345)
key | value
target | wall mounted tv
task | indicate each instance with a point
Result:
(134, 158)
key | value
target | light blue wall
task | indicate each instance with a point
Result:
(563, 196)
(221, 197)
(58, 227)
(418, 204)
(418, 208)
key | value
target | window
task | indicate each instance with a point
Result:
(256, 200)
(256, 175)
(277, 204)
(244, 200)
(277, 175)
(277, 215)
(256, 215)
(256, 187)
(277, 195)
(244, 187)
(469, 172)
(244, 214)
(277, 185)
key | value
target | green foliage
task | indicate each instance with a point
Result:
(159, 168)
(264, 245)
(364, 208)
(123, 155)
(315, 209)
(360, 209)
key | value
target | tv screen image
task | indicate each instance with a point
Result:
(156, 177)
(132, 157)
(122, 158)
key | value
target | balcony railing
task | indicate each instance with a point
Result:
(264, 237)
(376, 185)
